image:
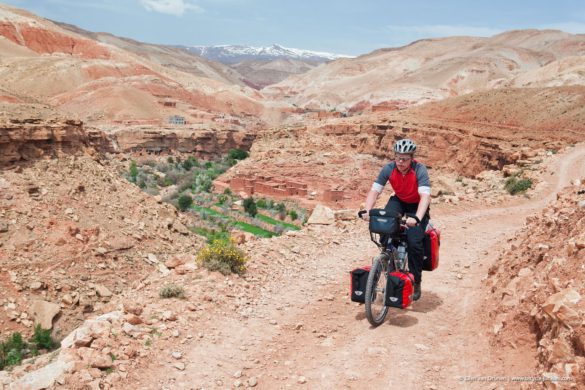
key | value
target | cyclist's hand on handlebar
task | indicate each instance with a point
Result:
(411, 222)
(364, 214)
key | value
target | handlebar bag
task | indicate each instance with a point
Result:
(399, 289)
(358, 279)
(384, 222)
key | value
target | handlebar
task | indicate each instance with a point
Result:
(403, 221)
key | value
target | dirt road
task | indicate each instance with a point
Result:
(305, 333)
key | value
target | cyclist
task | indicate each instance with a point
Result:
(412, 194)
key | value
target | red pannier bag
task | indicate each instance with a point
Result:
(358, 279)
(399, 289)
(431, 244)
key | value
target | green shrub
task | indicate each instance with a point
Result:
(261, 203)
(227, 191)
(250, 206)
(208, 165)
(514, 185)
(187, 165)
(43, 340)
(170, 160)
(293, 215)
(222, 198)
(185, 201)
(222, 256)
(172, 291)
(133, 171)
(238, 154)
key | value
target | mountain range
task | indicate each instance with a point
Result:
(232, 54)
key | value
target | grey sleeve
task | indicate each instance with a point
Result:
(384, 174)
(422, 176)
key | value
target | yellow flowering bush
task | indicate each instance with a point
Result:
(223, 256)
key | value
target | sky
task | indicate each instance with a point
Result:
(348, 27)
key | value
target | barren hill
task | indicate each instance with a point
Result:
(433, 69)
(115, 80)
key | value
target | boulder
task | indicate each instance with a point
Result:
(322, 215)
(43, 313)
(43, 378)
(562, 307)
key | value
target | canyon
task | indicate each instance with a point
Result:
(86, 252)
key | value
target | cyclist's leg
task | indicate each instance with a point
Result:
(415, 236)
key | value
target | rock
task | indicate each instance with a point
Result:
(322, 215)
(178, 227)
(238, 374)
(102, 291)
(151, 258)
(175, 261)
(94, 358)
(3, 227)
(177, 355)
(132, 307)
(179, 366)
(252, 382)
(561, 352)
(132, 330)
(67, 299)
(69, 211)
(36, 285)
(43, 313)
(168, 315)
(302, 380)
(43, 378)
(100, 251)
(133, 319)
(581, 204)
(561, 306)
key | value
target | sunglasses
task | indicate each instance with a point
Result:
(402, 159)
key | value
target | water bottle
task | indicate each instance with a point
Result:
(401, 255)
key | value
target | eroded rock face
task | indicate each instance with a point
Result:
(35, 138)
(203, 143)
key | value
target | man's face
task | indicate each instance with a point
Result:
(403, 161)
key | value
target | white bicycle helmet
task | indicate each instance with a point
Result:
(404, 146)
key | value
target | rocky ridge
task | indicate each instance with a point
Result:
(536, 288)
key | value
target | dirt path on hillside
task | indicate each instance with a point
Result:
(306, 333)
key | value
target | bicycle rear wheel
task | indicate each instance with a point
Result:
(376, 289)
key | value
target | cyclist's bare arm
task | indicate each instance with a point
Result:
(370, 202)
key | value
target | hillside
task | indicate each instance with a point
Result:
(112, 79)
(433, 69)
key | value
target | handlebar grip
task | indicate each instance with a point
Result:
(361, 213)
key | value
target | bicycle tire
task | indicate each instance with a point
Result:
(375, 289)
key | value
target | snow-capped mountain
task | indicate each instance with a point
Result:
(232, 54)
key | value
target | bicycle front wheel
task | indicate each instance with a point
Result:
(376, 289)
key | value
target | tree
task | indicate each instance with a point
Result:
(250, 206)
(185, 201)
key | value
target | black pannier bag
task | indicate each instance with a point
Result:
(399, 289)
(358, 279)
(384, 222)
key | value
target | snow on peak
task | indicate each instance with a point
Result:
(230, 54)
